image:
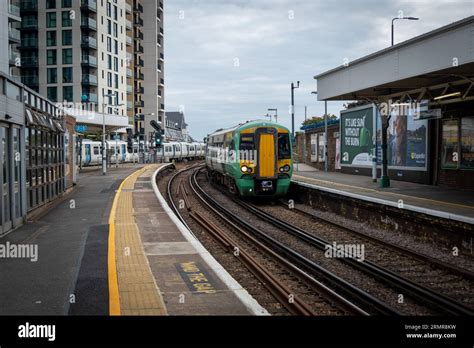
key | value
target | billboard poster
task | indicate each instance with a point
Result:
(407, 142)
(357, 136)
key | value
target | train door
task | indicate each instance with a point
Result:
(87, 154)
(124, 152)
(266, 152)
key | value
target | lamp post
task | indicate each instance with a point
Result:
(104, 156)
(293, 108)
(407, 18)
(325, 133)
(276, 114)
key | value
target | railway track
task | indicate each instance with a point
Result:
(290, 298)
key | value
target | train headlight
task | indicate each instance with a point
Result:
(244, 169)
(285, 168)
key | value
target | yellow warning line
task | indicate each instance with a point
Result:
(303, 178)
(114, 298)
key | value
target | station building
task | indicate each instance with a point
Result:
(435, 72)
(36, 153)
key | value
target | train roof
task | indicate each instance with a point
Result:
(248, 124)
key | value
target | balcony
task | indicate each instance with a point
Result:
(14, 59)
(140, 62)
(30, 42)
(162, 32)
(159, 67)
(162, 57)
(29, 6)
(129, 89)
(138, 21)
(139, 90)
(138, 8)
(162, 82)
(139, 103)
(89, 60)
(139, 75)
(30, 80)
(128, 25)
(29, 62)
(128, 8)
(91, 97)
(138, 35)
(88, 79)
(89, 42)
(162, 107)
(161, 5)
(31, 24)
(129, 41)
(14, 10)
(14, 35)
(129, 73)
(89, 5)
(138, 49)
(88, 23)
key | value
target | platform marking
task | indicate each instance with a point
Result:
(383, 192)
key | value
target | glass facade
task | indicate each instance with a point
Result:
(457, 149)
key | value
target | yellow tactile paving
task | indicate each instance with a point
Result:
(138, 293)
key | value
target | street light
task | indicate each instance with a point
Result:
(407, 18)
(293, 108)
(276, 114)
(104, 157)
(325, 133)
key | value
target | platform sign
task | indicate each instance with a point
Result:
(81, 128)
(357, 136)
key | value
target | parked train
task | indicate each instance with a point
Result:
(251, 159)
(91, 154)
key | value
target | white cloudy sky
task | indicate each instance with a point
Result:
(274, 43)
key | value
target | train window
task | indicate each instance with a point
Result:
(96, 150)
(246, 142)
(284, 150)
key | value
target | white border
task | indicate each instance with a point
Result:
(436, 213)
(250, 303)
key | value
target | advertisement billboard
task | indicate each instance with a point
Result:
(357, 136)
(407, 142)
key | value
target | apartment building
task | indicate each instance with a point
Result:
(10, 22)
(145, 52)
(75, 51)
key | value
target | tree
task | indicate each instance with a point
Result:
(318, 119)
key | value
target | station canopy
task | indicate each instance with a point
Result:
(93, 120)
(437, 66)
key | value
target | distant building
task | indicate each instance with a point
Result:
(10, 22)
(176, 127)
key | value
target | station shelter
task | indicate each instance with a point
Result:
(425, 86)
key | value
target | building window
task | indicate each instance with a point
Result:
(51, 19)
(51, 38)
(53, 94)
(67, 3)
(109, 65)
(67, 56)
(52, 75)
(67, 37)
(51, 57)
(67, 93)
(467, 143)
(67, 75)
(67, 21)
(115, 63)
(109, 27)
(109, 44)
(109, 79)
(50, 4)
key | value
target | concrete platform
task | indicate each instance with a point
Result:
(440, 202)
(160, 267)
